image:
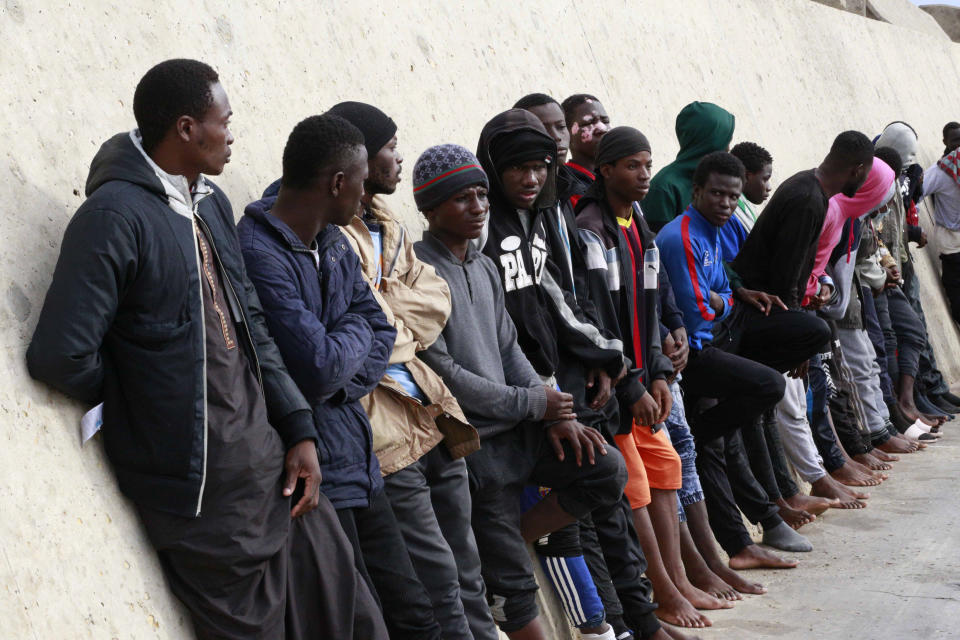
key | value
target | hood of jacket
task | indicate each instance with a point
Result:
(504, 124)
(120, 159)
(900, 137)
(702, 128)
(876, 190)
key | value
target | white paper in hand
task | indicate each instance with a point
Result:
(90, 423)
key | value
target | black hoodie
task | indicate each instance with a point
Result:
(553, 332)
(122, 324)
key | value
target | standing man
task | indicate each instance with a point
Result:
(151, 313)
(337, 342)
(412, 410)
(941, 183)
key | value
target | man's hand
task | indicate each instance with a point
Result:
(760, 299)
(800, 371)
(302, 462)
(598, 378)
(559, 405)
(580, 438)
(716, 302)
(682, 350)
(661, 393)
(646, 410)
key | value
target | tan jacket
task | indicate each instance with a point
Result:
(417, 302)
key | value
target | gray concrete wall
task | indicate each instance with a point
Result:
(948, 17)
(74, 561)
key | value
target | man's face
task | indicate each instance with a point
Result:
(523, 183)
(629, 177)
(717, 198)
(952, 140)
(385, 169)
(858, 175)
(757, 188)
(590, 123)
(210, 137)
(462, 216)
(551, 115)
(347, 200)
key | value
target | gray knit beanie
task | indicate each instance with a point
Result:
(442, 171)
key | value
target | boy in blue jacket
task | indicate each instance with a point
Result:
(336, 342)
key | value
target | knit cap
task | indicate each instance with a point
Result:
(620, 142)
(376, 126)
(442, 171)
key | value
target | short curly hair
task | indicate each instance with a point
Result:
(719, 162)
(891, 156)
(753, 156)
(316, 144)
(171, 89)
(535, 100)
(570, 104)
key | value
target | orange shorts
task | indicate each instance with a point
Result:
(651, 461)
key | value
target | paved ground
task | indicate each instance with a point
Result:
(888, 572)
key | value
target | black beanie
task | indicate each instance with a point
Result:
(376, 126)
(516, 147)
(620, 142)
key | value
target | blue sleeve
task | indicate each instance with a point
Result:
(321, 359)
(680, 254)
(372, 367)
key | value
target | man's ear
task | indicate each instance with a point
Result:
(336, 183)
(185, 127)
(605, 170)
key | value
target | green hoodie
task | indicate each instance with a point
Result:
(702, 128)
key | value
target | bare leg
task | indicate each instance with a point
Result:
(533, 631)
(702, 537)
(663, 516)
(673, 607)
(544, 517)
(699, 572)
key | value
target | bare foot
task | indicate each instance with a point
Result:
(811, 504)
(883, 455)
(755, 557)
(701, 599)
(853, 477)
(708, 581)
(897, 444)
(677, 610)
(871, 462)
(862, 468)
(827, 487)
(796, 518)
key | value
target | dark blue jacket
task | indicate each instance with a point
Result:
(333, 336)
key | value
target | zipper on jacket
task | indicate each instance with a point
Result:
(203, 342)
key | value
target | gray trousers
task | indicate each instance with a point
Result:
(795, 433)
(431, 499)
(860, 363)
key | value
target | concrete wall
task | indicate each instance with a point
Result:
(947, 16)
(74, 561)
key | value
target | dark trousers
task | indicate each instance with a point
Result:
(784, 339)
(498, 472)
(722, 511)
(904, 337)
(871, 313)
(382, 559)
(761, 440)
(821, 387)
(750, 495)
(929, 379)
(950, 278)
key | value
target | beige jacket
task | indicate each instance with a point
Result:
(417, 302)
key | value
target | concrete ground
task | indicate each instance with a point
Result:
(888, 572)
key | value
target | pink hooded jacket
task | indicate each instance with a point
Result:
(871, 195)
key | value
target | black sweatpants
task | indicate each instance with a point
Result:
(950, 278)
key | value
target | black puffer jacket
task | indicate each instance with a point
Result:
(122, 324)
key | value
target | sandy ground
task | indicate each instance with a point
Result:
(888, 572)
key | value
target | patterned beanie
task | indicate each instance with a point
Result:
(442, 171)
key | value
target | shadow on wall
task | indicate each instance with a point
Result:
(947, 17)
